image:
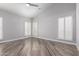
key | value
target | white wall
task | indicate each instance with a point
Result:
(77, 24)
(44, 25)
(47, 26)
(13, 25)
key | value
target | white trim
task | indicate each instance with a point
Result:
(14, 39)
(62, 41)
(40, 38)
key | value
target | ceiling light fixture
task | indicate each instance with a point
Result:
(34, 5)
(27, 4)
(31, 4)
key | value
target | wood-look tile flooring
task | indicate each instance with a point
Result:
(36, 47)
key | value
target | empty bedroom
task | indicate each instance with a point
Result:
(39, 29)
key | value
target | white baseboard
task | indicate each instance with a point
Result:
(40, 38)
(62, 41)
(20, 38)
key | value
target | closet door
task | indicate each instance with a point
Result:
(68, 28)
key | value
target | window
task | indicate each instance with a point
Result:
(35, 28)
(65, 28)
(68, 28)
(1, 32)
(27, 28)
(61, 28)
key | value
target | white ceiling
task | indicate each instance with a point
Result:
(22, 10)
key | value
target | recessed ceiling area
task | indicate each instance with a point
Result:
(31, 11)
